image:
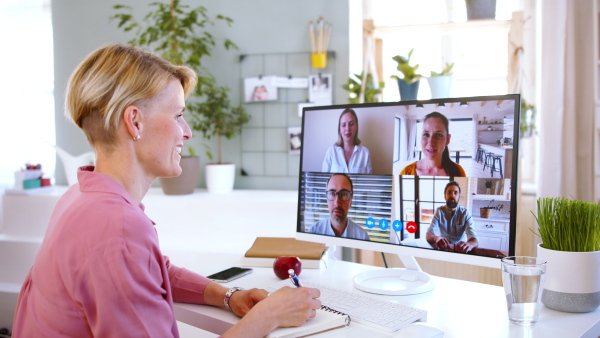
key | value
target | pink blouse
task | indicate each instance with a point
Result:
(99, 271)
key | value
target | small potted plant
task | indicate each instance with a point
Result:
(570, 233)
(527, 119)
(217, 117)
(441, 83)
(486, 212)
(370, 94)
(409, 83)
(481, 9)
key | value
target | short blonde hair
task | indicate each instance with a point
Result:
(112, 78)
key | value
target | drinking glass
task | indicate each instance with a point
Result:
(523, 280)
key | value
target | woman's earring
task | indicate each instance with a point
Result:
(137, 137)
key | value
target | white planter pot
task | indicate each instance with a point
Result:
(440, 86)
(572, 280)
(220, 178)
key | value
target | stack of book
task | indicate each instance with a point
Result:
(265, 250)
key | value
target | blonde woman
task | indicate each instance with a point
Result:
(99, 271)
(347, 155)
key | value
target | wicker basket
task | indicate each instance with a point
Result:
(485, 213)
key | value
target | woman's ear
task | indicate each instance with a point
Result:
(448, 140)
(132, 119)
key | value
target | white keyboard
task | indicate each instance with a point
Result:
(363, 309)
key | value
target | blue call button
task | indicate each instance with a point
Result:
(370, 222)
(397, 225)
(383, 224)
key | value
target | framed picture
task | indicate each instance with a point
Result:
(258, 89)
(319, 89)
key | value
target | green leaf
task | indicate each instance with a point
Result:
(409, 72)
(353, 86)
(183, 39)
(568, 225)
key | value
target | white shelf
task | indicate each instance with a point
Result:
(499, 198)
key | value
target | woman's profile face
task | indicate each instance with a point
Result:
(434, 138)
(164, 132)
(348, 128)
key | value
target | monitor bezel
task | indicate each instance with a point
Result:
(485, 261)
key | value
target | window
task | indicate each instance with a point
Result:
(439, 33)
(372, 198)
(27, 85)
(420, 196)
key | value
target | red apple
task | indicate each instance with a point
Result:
(284, 263)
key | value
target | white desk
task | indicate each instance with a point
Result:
(207, 233)
(462, 309)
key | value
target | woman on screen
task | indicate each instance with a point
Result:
(99, 271)
(347, 155)
(434, 145)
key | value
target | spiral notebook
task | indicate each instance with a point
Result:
(327, 319)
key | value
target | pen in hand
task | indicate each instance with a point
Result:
(294, 278)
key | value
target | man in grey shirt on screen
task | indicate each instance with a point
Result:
(451, 228)
(339, 200)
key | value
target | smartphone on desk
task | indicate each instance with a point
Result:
(230, 274)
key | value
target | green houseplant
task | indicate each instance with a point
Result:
(354, 87)
(570, 233)
(179, 34)
(441, 83)
(216, 117)
(526, 119)
(409, 83)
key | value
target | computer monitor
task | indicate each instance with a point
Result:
(402, 200)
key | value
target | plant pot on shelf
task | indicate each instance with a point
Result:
(440, 86)
(485, 213)
(481, 9)
(186, 182)
(572, 280)
(220, 177)
(408, 92)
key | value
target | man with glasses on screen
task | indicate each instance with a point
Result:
(452, 224)
(339, 200)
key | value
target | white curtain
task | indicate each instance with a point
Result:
(411, 128)
(567, 112)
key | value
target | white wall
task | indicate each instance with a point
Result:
(260, 26)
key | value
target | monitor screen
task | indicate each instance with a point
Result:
(433, 179)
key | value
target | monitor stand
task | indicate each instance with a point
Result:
(395, 281)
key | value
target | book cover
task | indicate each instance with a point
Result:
(263, 262)
(273, 247)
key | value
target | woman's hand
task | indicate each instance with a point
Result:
(242, 301)
(293, 306)
(283, 308)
